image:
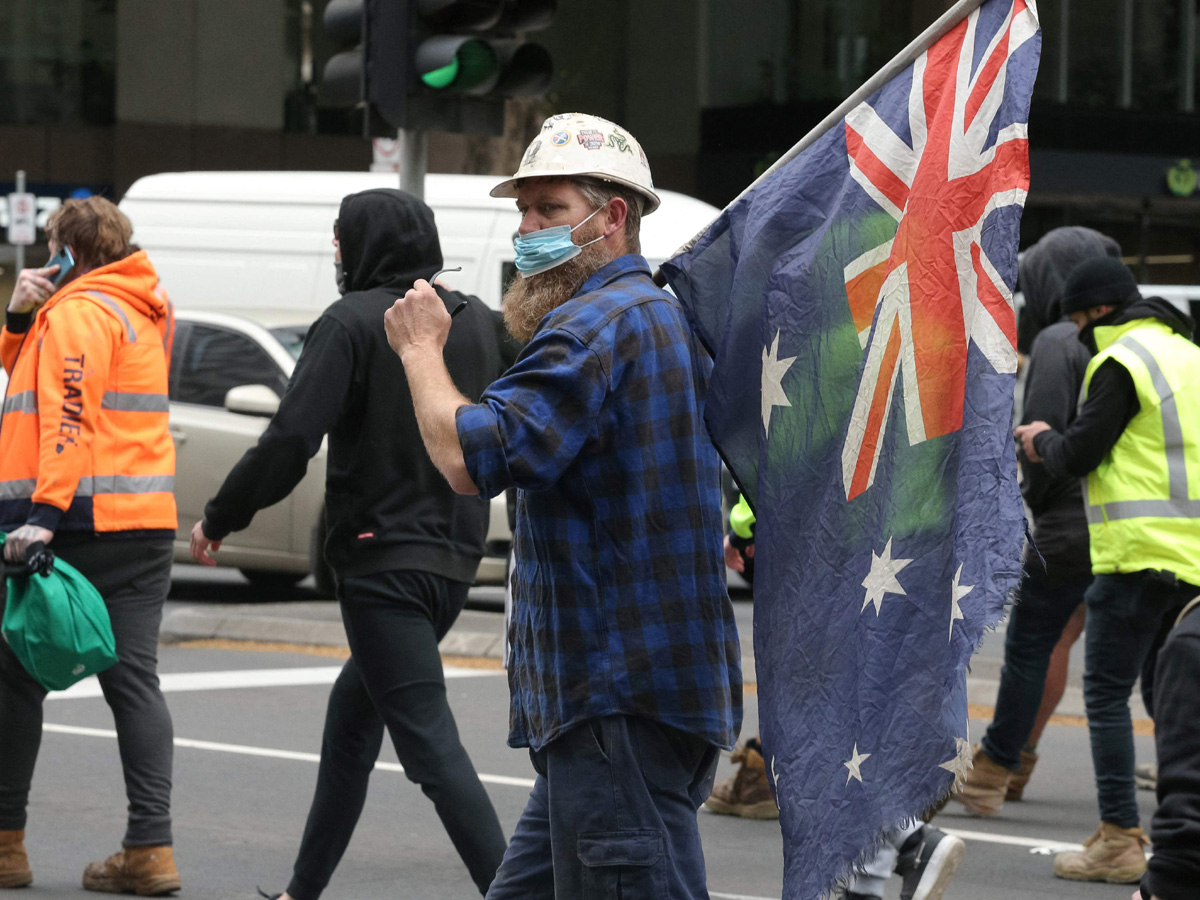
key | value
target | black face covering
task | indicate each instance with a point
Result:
(1087, 335)
(340, 276)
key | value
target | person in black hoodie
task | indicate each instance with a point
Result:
(403, 545)
(1047, 617)
(1174, 870)
(1136, 437)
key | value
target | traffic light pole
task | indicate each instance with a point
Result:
(413, 160)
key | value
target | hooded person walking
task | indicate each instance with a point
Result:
(403, 546)
(1049, 613)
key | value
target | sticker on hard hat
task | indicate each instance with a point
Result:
(561, 138)
(619, 142)
(531, 153)
(593, 140)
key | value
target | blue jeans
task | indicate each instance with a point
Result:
(612, 814)
(1042, 610)
(1125, 617)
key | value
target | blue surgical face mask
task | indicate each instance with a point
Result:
(540, 251)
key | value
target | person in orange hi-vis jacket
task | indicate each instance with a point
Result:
(87, 462)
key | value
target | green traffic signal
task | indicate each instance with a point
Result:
(458, 64)
(443, 77)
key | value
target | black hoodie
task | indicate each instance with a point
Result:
(387, 506)
(1057, 362)
(1112, 399)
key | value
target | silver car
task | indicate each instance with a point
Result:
(228, 371)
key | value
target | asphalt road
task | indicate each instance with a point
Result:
(245, 770)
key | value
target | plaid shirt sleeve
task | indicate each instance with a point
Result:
(530, 425)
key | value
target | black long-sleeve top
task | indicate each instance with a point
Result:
(1111, 403)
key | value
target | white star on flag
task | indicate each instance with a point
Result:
(773, 370)
(962, 761)
(882, 578)
(957, 592)
(854, 764)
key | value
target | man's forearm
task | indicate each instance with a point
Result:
(436, 401)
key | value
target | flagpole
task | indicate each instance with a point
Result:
(899, 62)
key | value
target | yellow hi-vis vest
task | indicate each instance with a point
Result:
(1143, 500)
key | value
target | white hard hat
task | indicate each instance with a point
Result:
(576, 144)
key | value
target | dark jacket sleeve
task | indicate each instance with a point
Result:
(1174, 870)
(311, 405)
(1051, 395)
(1112, 401)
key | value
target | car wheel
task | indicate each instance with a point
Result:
(272, 581)
(322, 573)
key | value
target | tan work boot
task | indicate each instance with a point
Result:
(986, 784)
(746, 793)
(1112, 854)
(14, 864)
(1020, 778)
(145, 871)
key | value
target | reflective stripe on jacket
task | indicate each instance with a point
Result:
(1143, 500)
(84, 444)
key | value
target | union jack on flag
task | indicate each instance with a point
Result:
(857, 302)
(956, 168)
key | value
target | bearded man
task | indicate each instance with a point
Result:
(625, 672)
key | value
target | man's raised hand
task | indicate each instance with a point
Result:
(418, 320)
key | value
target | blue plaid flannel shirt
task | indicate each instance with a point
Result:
(619, 597)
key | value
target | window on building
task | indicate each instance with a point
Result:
(1123, 54)
(58, 62)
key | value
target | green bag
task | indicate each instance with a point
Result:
(57, 625)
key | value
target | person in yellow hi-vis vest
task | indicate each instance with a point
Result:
(1136, 440)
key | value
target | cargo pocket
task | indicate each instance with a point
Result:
(620, 864)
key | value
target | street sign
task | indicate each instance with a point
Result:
(22, 218)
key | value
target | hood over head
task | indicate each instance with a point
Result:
(1043, 271)
(132, 279)
(388, 239)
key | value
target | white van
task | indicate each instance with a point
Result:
(261, 240)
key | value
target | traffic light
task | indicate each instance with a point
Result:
(439, 65)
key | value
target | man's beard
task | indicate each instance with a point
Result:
(527, 300)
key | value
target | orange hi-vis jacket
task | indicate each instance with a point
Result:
(84, 445)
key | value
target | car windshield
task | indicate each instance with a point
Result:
(291, 337)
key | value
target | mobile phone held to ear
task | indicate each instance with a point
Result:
(65, 261)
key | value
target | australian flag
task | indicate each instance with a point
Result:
(857, 302)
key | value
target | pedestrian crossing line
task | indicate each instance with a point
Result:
(1011, 840)
(266, 752)
(174, 682)
(1032, 843)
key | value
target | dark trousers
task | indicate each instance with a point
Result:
(1039, 616)
(394, 679)
(612, 814)
(1174, 870)
(133, 577)
(1126, 614)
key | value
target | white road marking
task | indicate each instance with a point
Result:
(174, 682)
(723, 896)
(271, 753)
(1012, 840)
(268, 752)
